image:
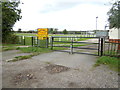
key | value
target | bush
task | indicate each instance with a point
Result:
(12, 39)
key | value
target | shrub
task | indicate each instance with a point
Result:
(12, 39)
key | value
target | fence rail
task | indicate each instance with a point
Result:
(32, 41)
(71, 43)
(112, 48)
(105, 47)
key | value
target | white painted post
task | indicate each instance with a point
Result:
(76, 38)
(67, 38)
(23, 37)
(59, 39)
(49, 39)
(23, 40)
(35, 40)
(71, 38)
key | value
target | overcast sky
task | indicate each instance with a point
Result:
(63, 14)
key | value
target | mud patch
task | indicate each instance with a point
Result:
(52, 69)
(23, 77)
(73, 84)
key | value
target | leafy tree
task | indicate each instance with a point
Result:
(10, 14)
(55, 31)
(65, 31)
(30, 31)
(114, 15)
(50, 30)
(19, 30)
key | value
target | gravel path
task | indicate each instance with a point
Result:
(78, 73)
(12, 53)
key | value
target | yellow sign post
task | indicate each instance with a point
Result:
(42, 33)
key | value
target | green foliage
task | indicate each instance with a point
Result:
(19, 30)
(26, 34)
(10, 14)
(34, 49)
(65, 31)
(18, 58)
(23, 57)
(112, 62)
(55, 31)
(52, 30)
(59, 48)
(114, 15)
(28, 39)
(38, 50)
(12, 38)
(10, 45)
(8, 48)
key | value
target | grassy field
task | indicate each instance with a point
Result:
(35, 34)
(28, 40)
(26, 34)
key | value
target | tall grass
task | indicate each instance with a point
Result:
(112, 62)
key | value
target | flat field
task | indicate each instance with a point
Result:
(28, 40)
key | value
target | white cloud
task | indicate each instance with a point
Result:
(81, 16)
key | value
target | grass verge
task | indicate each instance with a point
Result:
(18, 58)
(6, 47)
(34, 50)
(112, 62)
(60, 48)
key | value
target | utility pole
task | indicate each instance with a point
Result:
(96, 22)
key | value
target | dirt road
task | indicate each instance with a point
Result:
(57, 70)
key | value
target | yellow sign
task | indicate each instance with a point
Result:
(42, 33)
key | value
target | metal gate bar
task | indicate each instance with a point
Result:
(100, 43)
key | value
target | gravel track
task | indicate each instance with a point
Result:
(81, 73)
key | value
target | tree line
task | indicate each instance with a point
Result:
(50, 31)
